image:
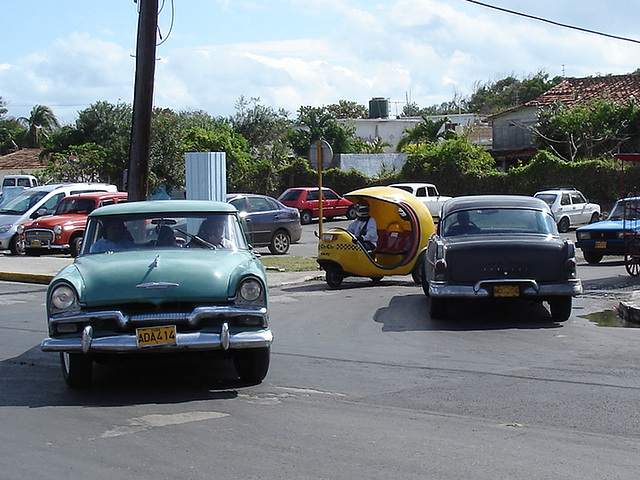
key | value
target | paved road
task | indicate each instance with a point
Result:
(362, 385)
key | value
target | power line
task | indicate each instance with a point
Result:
(558, 24)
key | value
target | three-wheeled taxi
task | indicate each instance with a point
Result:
(404, 225)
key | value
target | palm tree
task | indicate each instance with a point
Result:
(41, 121)
(426, 131)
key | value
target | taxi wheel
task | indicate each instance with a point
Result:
(417, 274)
(280, 243)
(76, 369)
(334, 277)
(252, 364)
(376, 279)
(560, 308)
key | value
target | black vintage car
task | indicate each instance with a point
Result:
(500, 247)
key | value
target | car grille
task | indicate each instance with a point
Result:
(44, 236)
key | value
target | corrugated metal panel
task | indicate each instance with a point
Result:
(206, 176)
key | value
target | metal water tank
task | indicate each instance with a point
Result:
(378, 107)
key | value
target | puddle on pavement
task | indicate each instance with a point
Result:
(609, 318)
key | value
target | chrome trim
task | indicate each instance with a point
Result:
(87, 338)
(224, 336)
(157, 285)
(482, 289)
(192, 319)
(190, 341)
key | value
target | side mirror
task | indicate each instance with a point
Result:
(40, 213)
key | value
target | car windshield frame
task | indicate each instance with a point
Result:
(625, 210)
(498, 220)
(145, 231)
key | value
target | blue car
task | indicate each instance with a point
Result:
(611, 236)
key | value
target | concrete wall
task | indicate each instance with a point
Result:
(371, 164)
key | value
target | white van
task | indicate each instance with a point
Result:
(36, 202)
(12, 185)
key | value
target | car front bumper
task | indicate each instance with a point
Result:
(528, 288)
(227, 338)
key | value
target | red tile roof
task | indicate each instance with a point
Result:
(571, 91)
(24, 159)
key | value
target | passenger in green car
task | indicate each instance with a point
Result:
(212, 231)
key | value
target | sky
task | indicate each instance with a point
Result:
(291, 53)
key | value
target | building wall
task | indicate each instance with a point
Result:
(371, 164)
(509, 129)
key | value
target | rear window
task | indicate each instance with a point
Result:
(290, 196)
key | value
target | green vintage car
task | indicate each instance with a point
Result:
(161, 277)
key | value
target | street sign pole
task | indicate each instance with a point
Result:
(320, 218)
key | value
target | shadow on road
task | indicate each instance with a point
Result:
(411, 313)
(34, 379)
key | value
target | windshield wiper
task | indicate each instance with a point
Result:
(197, 240)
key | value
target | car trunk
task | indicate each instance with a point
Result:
(534, 257)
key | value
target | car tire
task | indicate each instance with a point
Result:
(592, 257)
(280, 243)
(334, 277)
(560, 308)
(305, 217)
(76, 369)
(563, 225)
(595, 217)
(252, 364)
(14, 246)
(74, 246)
(351, 213)
(438, 308)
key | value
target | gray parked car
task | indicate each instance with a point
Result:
(499, 248)
(269, 222)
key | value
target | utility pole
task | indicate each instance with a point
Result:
(138, 178)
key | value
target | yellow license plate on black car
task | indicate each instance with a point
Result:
(601, 244)
(152, 336)
(506, 291)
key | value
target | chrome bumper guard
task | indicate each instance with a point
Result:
(484, 288)
(191, 341)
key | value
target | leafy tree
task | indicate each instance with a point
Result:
(587, 130)
(79, 163)
(41, 122)
(265, 128)
(317, 124)
(3, 109)
(508, 92)
(347, 109)
(447, 163)
(426, 131)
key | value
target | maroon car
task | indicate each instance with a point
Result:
(62, 232)
(305, 199)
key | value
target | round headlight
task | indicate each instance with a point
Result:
(63, 297)
(20, 229)
(251, 290)
(57, 229)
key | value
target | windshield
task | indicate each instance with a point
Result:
(547, 197)
(76, 205)
(498, 220)
(212, 231)
(290, 196)
(20, 204)
(626, 209)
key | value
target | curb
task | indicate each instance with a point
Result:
(26, 277)
(630, 311)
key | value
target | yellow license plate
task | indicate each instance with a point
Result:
(506, 291)
(601, 244)
(35, 243)
(151, 336)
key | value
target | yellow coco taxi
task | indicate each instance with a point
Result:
(404, 226)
